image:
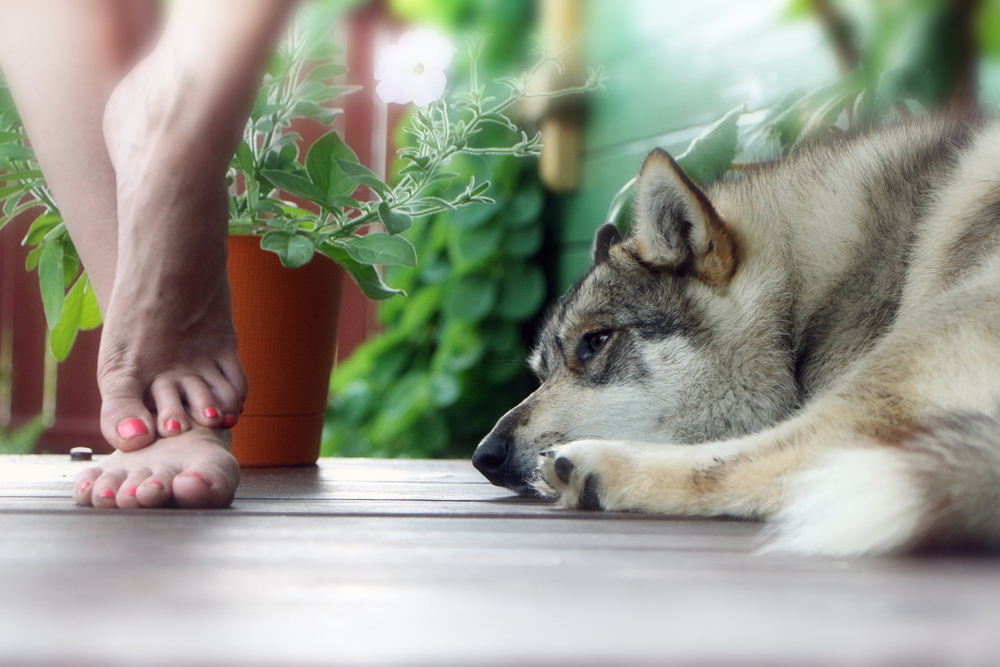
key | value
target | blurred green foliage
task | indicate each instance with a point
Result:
(450, 360)
(897, 58)
(21, 440)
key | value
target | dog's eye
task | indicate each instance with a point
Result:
(591, 344)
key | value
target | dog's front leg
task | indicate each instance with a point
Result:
(742, 477)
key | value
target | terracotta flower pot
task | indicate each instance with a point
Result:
(286, 321)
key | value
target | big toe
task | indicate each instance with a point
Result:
(206, 485)
(126, 422)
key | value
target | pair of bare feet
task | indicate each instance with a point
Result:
(134, 110)
(170, 379)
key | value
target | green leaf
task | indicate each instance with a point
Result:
(367, 278)
(8, 137)
(50, 281)
(470, 217)
(525, 206)
(323, 171)
(334, 92)
(71, 266)
(521, 293)
(294, 250)
(326, 71)
(394, 221)
(470, 297)
(15, 152)
(345, 202)
(244, 158)
(31, 261)
(476, 245)
(41, 226)
(524, 242)
(712, 152)
(319, 113)
(63, 334)
(364, 176)
(8, 190)
(90, 313)
(295, 185)
(22, 440)
(381, 248)
(261, 99)
(28, 175)
(445, 389)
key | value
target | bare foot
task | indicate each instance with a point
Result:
(194, 469)
(168, 346)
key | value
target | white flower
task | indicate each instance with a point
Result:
(413, 69)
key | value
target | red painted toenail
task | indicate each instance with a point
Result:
(106, 493)
(211, 413)
(129, 492)
(229, 421)
(84, 486)
(153, 482)
(172, 425)
(198, 475)
(131, 428)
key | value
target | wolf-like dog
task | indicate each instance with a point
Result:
(814, 341)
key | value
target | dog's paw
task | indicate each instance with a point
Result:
(577, 474)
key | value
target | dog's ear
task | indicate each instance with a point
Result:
(676, 225)
(607, 236)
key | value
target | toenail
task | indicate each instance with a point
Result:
(153, 482)
(211, 413)
(129, 492)
(172, 425)
(198, 475)
(229, 421)
(84, 486)
(106, 493)
(131, 428)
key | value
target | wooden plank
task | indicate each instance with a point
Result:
(486, 581)
(23, 476)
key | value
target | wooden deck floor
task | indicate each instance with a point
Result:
(422, 563)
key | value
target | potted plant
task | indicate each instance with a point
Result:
(286, 256)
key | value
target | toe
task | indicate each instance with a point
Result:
(106, 488)
(155, 490)
(125, 421)
(209, 482)
(203, 487)
(564, 468)
(590, 499)
(204, 406)
(236, 376)
(84, 485)
(226, 395)
(126, 496)
(171, 417)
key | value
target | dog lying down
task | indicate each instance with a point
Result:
(815, 342)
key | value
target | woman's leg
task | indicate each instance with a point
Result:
(171, 127)
(62, 92)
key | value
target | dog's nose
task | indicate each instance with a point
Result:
(490, 457)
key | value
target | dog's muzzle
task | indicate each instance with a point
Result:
(492, 457)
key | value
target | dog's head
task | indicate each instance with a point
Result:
(654, 344)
